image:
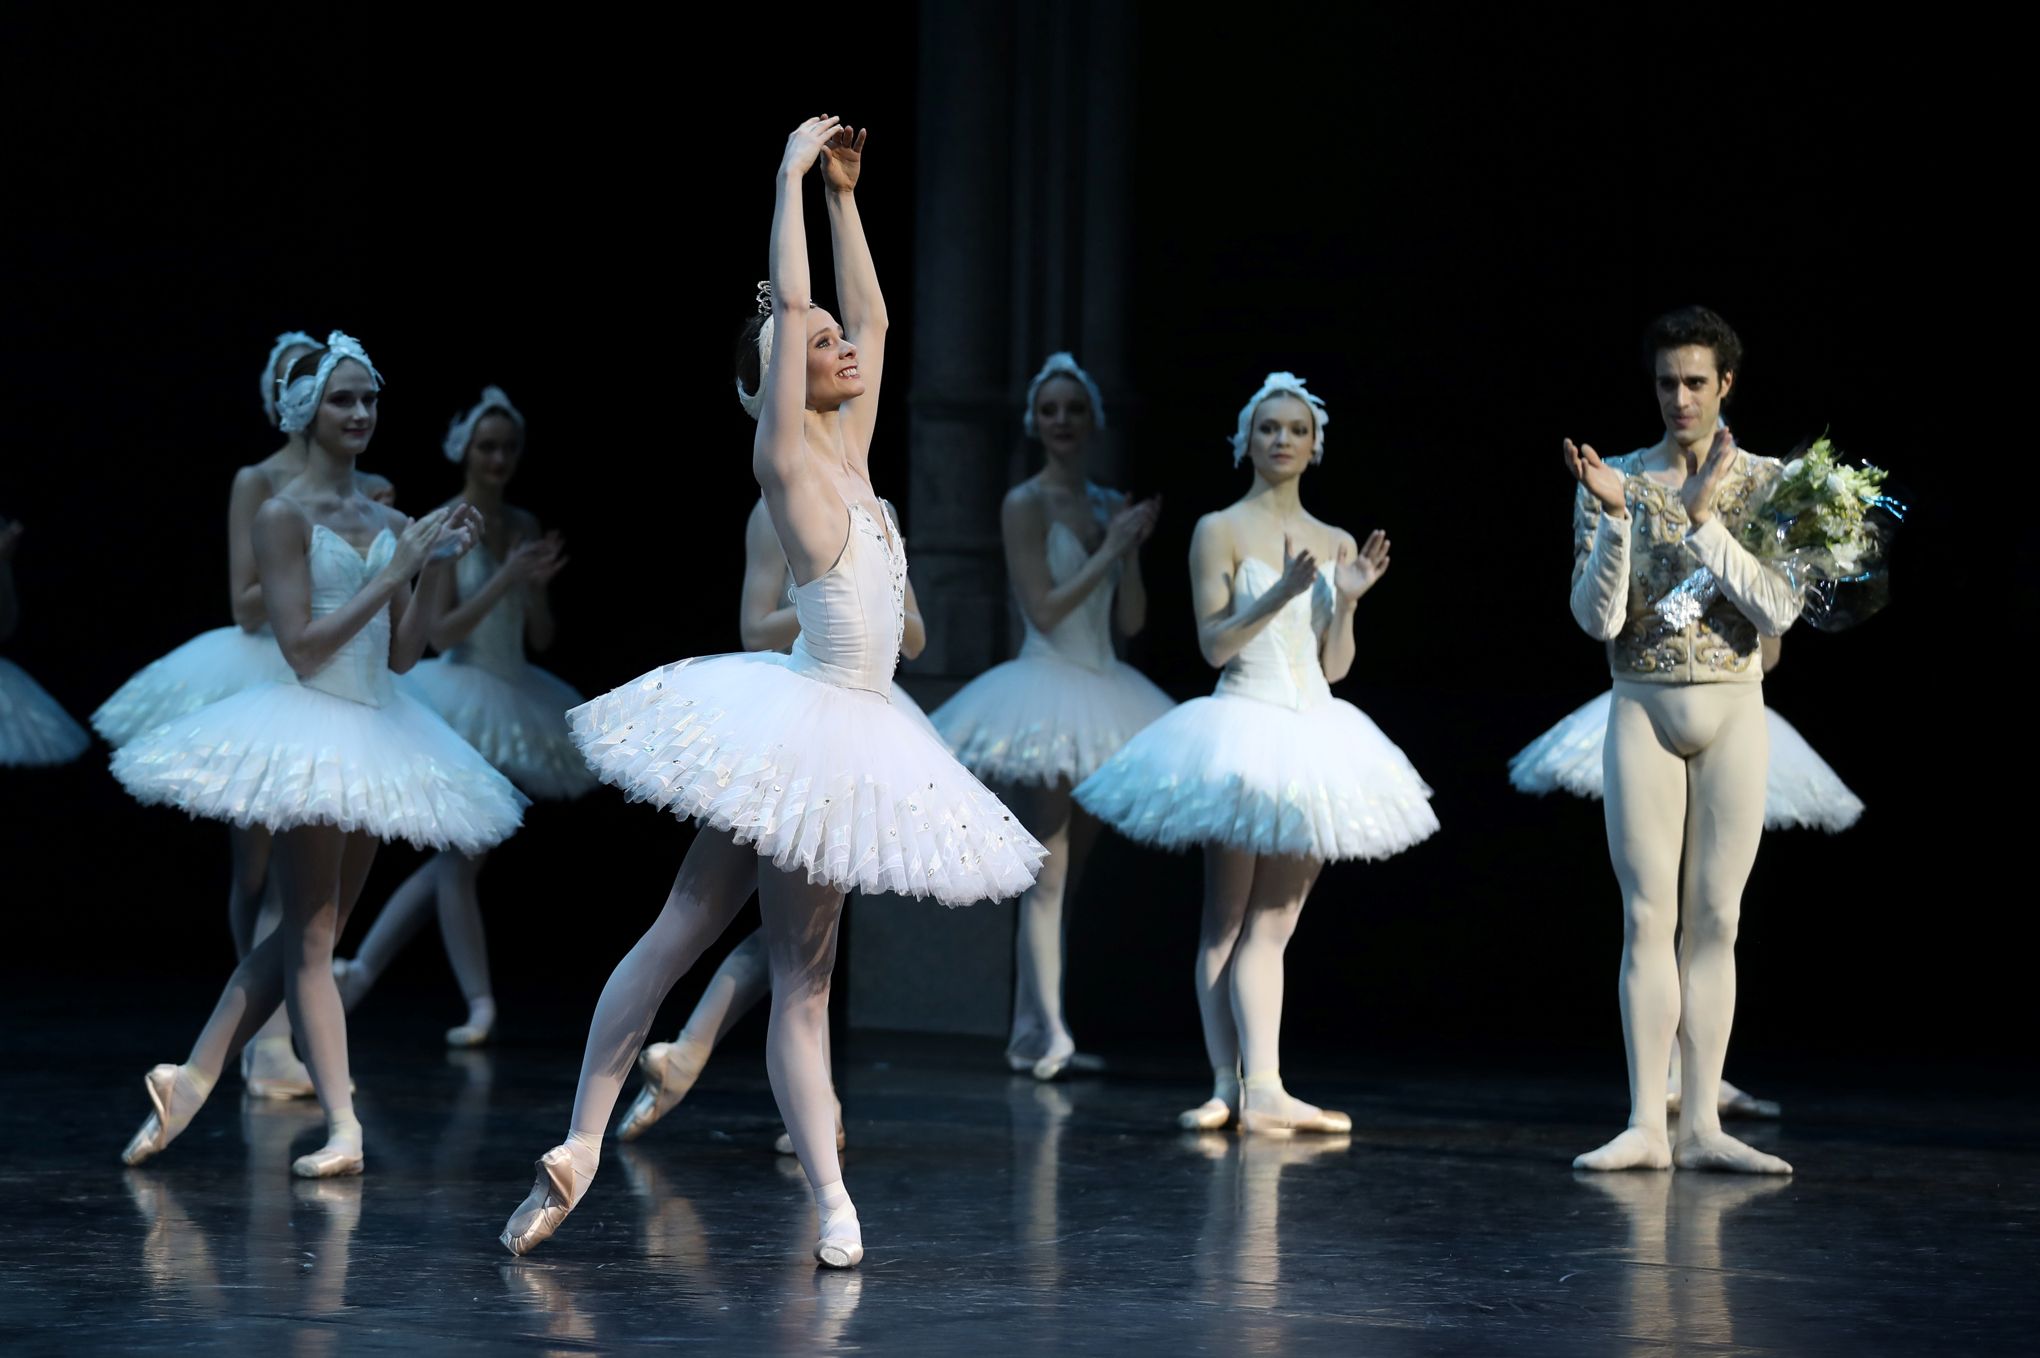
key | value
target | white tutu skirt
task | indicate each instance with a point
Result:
(1800, 791)
(1265, 779)
(211, 666)
(282, 755)
(34, 729)
(518, 721)
(1045, 720)
(903, 703)
(834, 782)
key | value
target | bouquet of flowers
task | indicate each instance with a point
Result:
(1827, 525)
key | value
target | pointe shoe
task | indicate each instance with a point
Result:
(1267, 1109)
(1209, 1116)
(670, 1070)
(1316, 1121)
(1722, 1153)
(545, 1207)
(1635, 1148)
(328, 1162)
(1737, 1103)
(165, 1124)
(1057, 1060)
(481, 1021)
(842, 1242)
(271, 1070)
(783, 1143)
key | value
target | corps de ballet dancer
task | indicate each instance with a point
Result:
(803, 777)
(219, 663)
(331, 760)
(767, 621)
(1039, 724)
(35, 730)
(1272, 775)
(482, 685)
(1687, 749)
(1801, 791)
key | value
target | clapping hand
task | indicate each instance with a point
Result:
(1602, 481)
(1357, 572)
(1700, 489)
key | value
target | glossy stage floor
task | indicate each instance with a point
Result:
(1001, 1216)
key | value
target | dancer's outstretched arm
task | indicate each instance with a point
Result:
(806, 510)
(864, 318)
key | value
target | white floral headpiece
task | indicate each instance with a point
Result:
(462, 430)
(753, 402)
(1061, 364)
(299, 401)
(288, 340)
(1281, 384)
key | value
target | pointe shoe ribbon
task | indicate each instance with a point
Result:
(551, 1198)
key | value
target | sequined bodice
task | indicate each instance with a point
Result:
(360, 670)
(1709, 638)
(497, 641)
(853, 615)
(1280, 663)
(1085, 633)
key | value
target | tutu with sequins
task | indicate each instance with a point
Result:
(804, 757)
(211, 666)
(1800, 789)
(1271, 763)
(343, 747)
(35, 730)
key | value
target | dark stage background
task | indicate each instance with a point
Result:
(1455, 229)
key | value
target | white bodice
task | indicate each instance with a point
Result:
(360, 670)
(853, 615)
(1280, 664)
(1085, 633)
(497, 641)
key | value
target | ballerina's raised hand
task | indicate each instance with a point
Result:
(1354, 573)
